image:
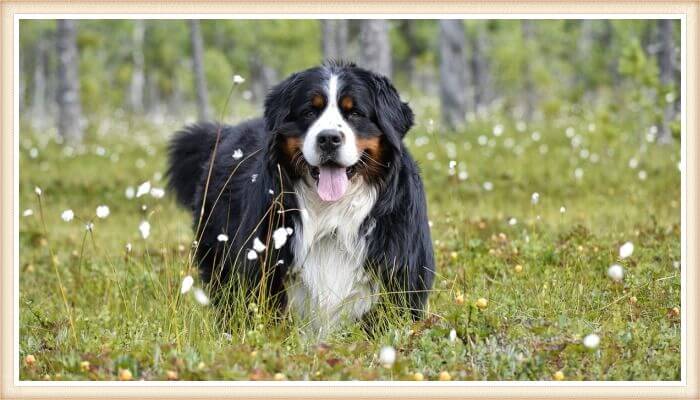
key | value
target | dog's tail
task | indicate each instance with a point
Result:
(188, 154)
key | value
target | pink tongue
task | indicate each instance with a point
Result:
(332, 183)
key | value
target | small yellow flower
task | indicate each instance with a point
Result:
(482, 303)
(633, 300)
(280, 377)
(85, 366)
(253, 353)
(444, 376)
(558, 376)
(459, 299)
(454, 255)
(30, 360)
(171, 375)
(201, 365)
(417, 376)
(675, 311)
(518, 268)
(125, 375)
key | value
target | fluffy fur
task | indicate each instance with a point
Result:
(339, 253)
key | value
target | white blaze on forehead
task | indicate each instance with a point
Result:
(331, 118)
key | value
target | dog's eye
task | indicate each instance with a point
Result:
(355, 113)
(309, 114)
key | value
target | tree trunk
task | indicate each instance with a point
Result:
(408, 31)
(530, 97)
(666, 75)
(39, 90)
(69, 109)
(375, 47)
(606, 42)
(453, 73)
(136, 88)
(334, 38)
(480, 67)
(203, 110)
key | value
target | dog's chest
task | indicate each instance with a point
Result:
(328, 280)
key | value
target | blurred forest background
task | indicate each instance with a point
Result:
(75, 74)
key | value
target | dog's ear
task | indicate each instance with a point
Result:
(393, 115)
(278, 103)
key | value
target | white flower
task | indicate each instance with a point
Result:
(453, 335)
(289, 231)
(578, 173)
(387, 356)
(252, 255)
(463, 175)
(452, 164)
(28, 212)
(237, 154)
(128, 247)
(102, 211)
(626, 250)
(562, 209)
(258, 245)
(536, 136)
(186, 284)
(570, 132)
(512, 221)
(271, 191)
(616, 272)
(89, 226)
(67, 215)
(143, 189)
(201, 297)
(145, 228)
(37, 190)
(535, 198)
(591, 341)
(642, 175)
(488, 186)
(237, 79)
(130, 192)
(498, 130)
(227, 336)
(253, 177)
(279, 236)
(222, 237)
(633, 163)
(157, 193)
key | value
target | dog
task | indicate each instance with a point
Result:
(319, 202)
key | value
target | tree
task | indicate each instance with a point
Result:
(69, 109)
(453, 73)
(479, 65)
(334, 38)
(203, 110)
(530, 96)
(136, 87)
(666, 61)
(375, 47)
(38, 105)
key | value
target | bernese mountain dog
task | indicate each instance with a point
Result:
(318, 203)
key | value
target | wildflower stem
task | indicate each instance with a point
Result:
(58, 275)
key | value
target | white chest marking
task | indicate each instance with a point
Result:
(329, 255)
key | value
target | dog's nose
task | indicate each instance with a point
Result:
(329, 140)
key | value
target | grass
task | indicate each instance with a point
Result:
(91, 310)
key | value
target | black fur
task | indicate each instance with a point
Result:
(400, 247)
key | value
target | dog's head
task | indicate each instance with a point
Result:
(335, 123)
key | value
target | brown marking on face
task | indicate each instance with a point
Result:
(372, 157)
(346, 103)
(318, 101)
(291, 147)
